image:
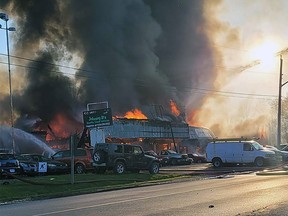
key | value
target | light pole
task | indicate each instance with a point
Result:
(4, 17)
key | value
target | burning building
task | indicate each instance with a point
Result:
(155, 134)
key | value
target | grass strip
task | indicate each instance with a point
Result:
(42, 187)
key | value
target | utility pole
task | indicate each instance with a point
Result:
(279, 104)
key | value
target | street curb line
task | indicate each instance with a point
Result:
(280, 172)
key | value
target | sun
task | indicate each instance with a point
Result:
(265, 53)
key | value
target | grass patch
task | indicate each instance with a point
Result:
(27, 188)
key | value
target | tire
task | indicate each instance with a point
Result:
(119, 167)
(217, 162)
(154, 168)
(259, 162)
(79, 168)
(98, 157)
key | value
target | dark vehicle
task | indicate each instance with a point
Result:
(163, 160)
(82, 159)
(279, 153)
(197, 158)
(9, 164)
(28, 168)
(53, 166)
(122, 157)
(175, 158)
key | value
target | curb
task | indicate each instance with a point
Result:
(280, 172)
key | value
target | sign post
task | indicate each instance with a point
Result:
(97, 116)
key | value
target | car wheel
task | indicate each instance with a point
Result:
(154, 168)
(217, 162)
(119, 167)
(259, 162)
(99, 157)
(79, 168)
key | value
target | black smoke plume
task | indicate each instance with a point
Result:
(135, 53)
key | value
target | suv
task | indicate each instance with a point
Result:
(122, 157)
(8, 164)
(82, 159)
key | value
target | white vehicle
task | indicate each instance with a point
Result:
(242, 152)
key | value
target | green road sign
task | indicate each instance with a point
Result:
(97, 118)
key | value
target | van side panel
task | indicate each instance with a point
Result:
(228, 152)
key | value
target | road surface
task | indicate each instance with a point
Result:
(248, 194)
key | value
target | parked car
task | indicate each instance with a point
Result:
(28, 168)
(82, 159)
(283, 155)
(163, 160)
(197, 158)
(122, 157)
(8, 164)
(175, 158)
(53, 166)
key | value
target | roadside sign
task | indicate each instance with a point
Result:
(97, 118)
(42, 167)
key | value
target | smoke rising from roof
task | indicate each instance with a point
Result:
(137, 52)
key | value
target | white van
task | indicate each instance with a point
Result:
(221, 152)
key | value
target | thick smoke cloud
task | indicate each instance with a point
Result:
(135, 53)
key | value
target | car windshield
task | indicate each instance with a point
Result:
(257, 146)
(171, 152)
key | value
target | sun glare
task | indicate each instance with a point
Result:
(266, 53)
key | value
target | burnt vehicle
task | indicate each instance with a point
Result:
(53, 166)
(175, 158)
(8, 165)
(122, 157)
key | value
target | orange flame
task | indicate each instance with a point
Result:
(262, 133)
(191, 119)
(62, 126)
(135, 114)
(174, 108)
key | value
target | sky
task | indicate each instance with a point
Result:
(217, 60)
(247, 31)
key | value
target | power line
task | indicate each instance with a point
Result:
(48, 63)
(142, 82)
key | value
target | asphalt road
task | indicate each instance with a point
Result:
(248, 194)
